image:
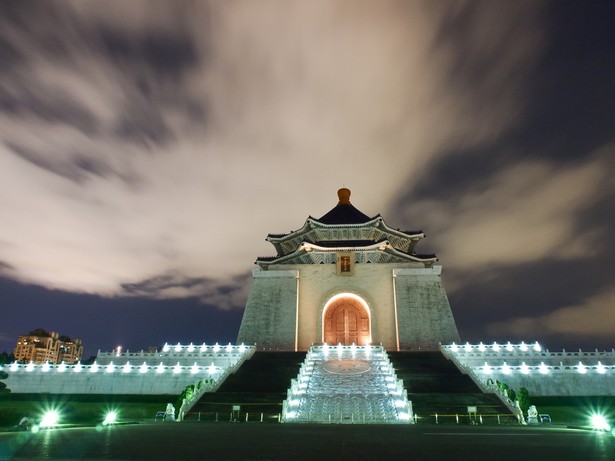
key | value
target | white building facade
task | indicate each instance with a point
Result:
(346, 278)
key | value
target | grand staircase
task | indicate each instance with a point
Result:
(436, 386)
(259, 386)
(347, 384)
(350, 385)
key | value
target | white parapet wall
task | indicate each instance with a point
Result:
(165, 372)
(541, 372)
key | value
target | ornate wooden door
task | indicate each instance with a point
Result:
(346, 322)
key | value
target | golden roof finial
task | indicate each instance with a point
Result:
(343, 195)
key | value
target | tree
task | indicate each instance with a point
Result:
(5, 358)
(524, 399)
(3, 389)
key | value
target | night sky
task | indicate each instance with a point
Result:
(147, 148)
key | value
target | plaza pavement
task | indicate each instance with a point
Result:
(254, 441)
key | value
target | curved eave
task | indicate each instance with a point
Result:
(384, 246)
(376, 221)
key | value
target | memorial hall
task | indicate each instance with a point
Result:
(347, 278)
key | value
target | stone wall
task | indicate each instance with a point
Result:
(166, 372)
(541, 372)
(269, 320)
(424, 314)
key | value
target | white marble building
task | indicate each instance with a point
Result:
(347, 278)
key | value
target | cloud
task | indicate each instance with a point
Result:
(149, 150)
(526, 212)
(595, 317)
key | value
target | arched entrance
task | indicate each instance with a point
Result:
(346, 320)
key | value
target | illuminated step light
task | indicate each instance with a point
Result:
(160, 368)
(481, 347)
(143, 368)
(110, 367)
(509, 347)
(46, 367)
(127, 368)
(505, 369)
(94, 367)
(525, 369)
(582, 369)
(78, 367)
(30, 366)
(14, 366)
(543, 368)
(486, 369)
(166, 348)
(203, 347)
(178, 347)
(454, 347)
(537, 347)
(177, 368)
(495, 347)
(242, 348)
(523, 346)
(600, 368)
(62, 367)
(467, 347)
(195, 369)
(211, 369)
(216, 348)
(229, 348)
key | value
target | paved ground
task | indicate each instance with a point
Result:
(226, 441)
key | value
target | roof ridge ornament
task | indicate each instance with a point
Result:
(343, 195)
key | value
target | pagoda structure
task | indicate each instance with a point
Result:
(347, 278)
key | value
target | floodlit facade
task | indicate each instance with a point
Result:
(346, 278)
(38, 346)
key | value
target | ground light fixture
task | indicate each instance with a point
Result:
(50, 419)
(110, 418)
(599, 422)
